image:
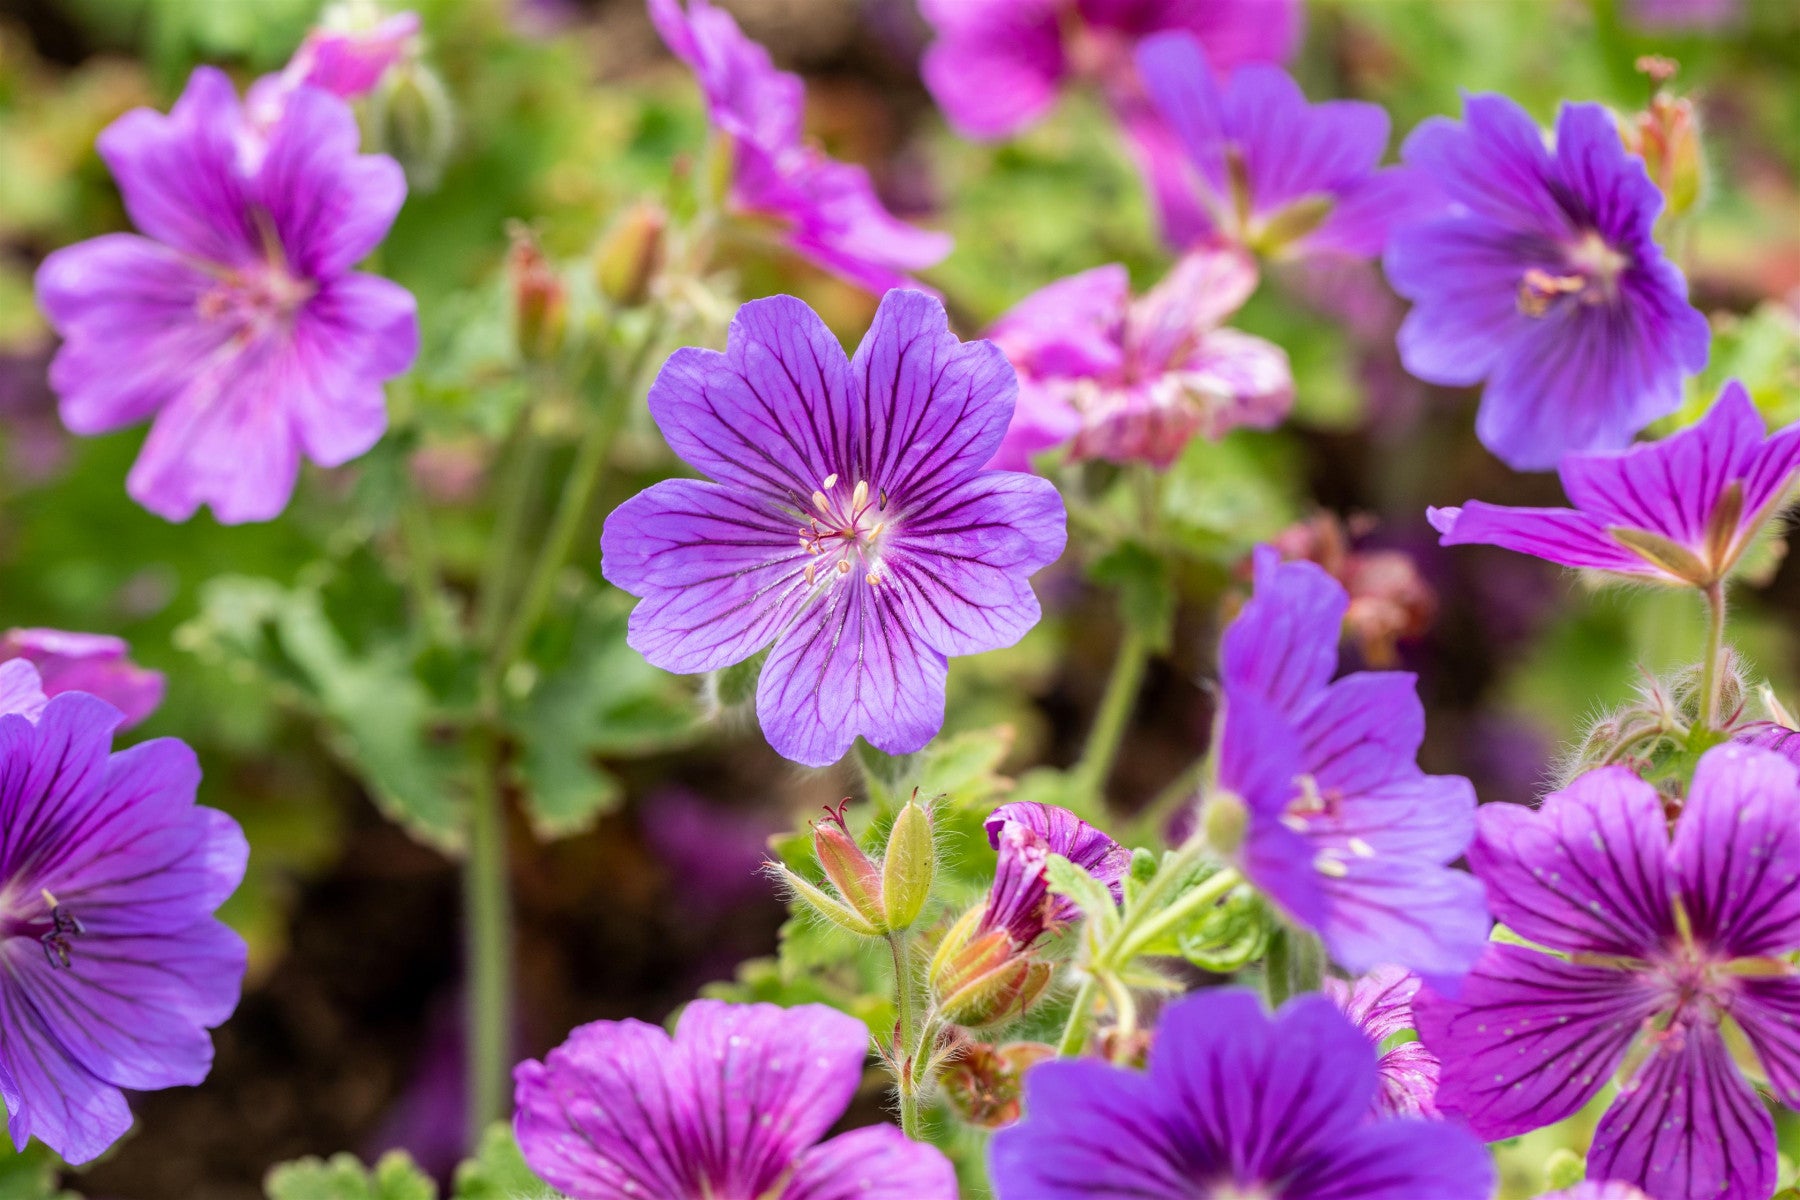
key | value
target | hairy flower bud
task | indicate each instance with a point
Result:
(822, 903)
(1223, 820)
(909, 866)
(980, 978)
(854, 875)
(1666, 135)
(629, 257)
(412, 118)
(983, 1083)
(540, 301)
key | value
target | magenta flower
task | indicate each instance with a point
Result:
(1657, 940)
(346, 56)
(828, 210)
(234, 321)
(1380, 1004)
(733, 1107)
(112, 966)
(1598, 1191)
(997, 66)
(1543, 279)
(1661, 15)
(1236, 1103)
(1271, 172)
(850, 522)
(87, 662)
(1678, 511)
(1135, 381)
(1025, 834)
(1340, 827)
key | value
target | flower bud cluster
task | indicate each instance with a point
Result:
(870, 897)
(981, 976)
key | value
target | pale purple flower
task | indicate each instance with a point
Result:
(733, 1107)
(1380, 1005)
(1683, 14)
(234, 321)
(828, 211)
(1135, 380)
(112, 966)
(1677, 511)
(1341, 828)
(1543, 279)
(849, 521)
(998, 65)
(1657, 941)
(1235, 1103)
(1272, 172)
(1598, 1191)
(347, 55)
(1025, 834)
(87, 662)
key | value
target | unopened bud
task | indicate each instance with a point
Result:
(909, 866)
(629, 257)
(1666, 135)
(1224, 818)
(823, 905)
(983, 1083)
(1564, 1169)
(852, 872)
(411, 117)
(540, 301)
(981, 978)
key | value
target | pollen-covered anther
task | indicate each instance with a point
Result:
(859, 495)
(873, 578)
(1540, 289)
(1334, 868)
(843, 566)
(830, 481)
(822, 504)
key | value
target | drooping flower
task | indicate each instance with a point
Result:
(1134, 381)
(1658, 941)
(1319, 787)
(849, 521)
(1543, 279)
(233, 321)
(1270, 171)
(828, 211)
(1235, 1103)
(1380, 1005)
(347, 54)
(732, 1107)
(112, 966)
(997, 66)
(87, 662)
(1678, 511)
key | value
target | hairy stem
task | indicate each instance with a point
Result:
(1081, 1013)
(487, 919)
(1711, 678)
(905, 1049)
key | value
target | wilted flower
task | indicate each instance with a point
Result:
(87, 662)
(1333, 820)
(1136, 380)
(734, 1105)
(997, 66)
(112, 966)
(1678, 511)
(1380, 1004)
(1543, 278)
(1273, 173)
(1655, 940)
(236, 324)
(1235, 1103)
(851, 523)
(828, 211)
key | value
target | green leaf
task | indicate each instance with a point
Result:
(1087, 893)
(344, 1178)
(30, 1174)
(498, 1171)
(1146, 590)
(966, 767)
(1221, 498)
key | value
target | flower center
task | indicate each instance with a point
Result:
(844, 532)
(51, 925)
(1590, 274)
(255, 300)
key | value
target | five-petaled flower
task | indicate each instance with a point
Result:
(733, 1107)
(1678, 511)
(1543, 278)
(1135, 380)
(827, 211)
(1678, 945)
(234, 321)
(1319, 798)
(1235, 1103)
(848, 521)
(87, 662)
(112, 966)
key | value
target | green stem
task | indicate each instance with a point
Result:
(1710, 677)
(571, 509)
(422, 567)
(518, 479)
(1132, 942)
(1074, 1035)
(1095, 766)
(487, 918)
(906, 1059)
(1277, 970)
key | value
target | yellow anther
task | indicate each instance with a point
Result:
(831, 479)
(1324, 864)
(811, 570)
(859, 495)
(876, 528)
(873, 579)
(843, 567)
(821, 503)
(48, 898)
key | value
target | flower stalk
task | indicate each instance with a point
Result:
(1090, 773)
(487, 909)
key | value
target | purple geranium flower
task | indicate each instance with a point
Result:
(347, 55)
(1274, 173)
(112, 967)
(829, 211)
(87, 662)
(1380, 1004)
(1598, 1191)
(1679, 511)
(1543, 279)
(851, 523)
(236, 322)
(997, 66)
(1025, 834)
(1659, 940)
(1235, 1103)
(1340, 827)
(733, 1107)
(1135, 381)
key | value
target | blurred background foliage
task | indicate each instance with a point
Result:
(652, 798)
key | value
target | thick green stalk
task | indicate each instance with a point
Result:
(1710, 676)
(1278, 983)
(487, 915)
(1081, 1013)
(905, 1050)
(1108, 732)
